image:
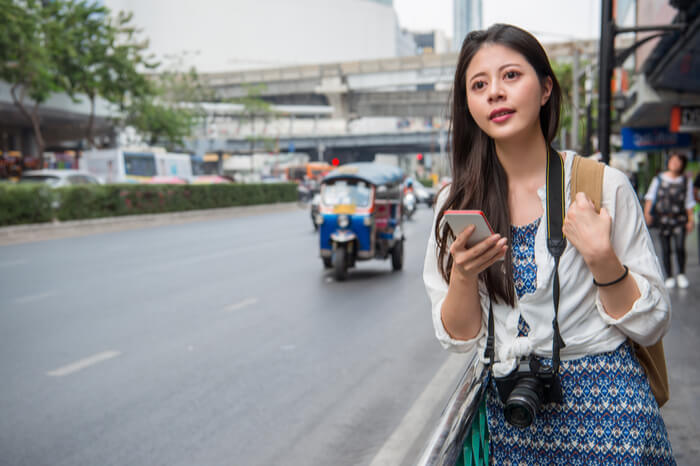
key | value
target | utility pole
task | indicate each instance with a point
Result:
(605, 68)
(608, 61)
(574, 115)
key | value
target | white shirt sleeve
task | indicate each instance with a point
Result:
(650, 316)
(689, 195)
(436, 288)
(653, 187)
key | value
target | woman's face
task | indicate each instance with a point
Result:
(675, 164)
(504, 94)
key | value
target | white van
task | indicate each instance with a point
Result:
(135, 165)
(173, 164)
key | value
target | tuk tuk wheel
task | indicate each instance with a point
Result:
(327, 263)
(397, 256)
(340, 264)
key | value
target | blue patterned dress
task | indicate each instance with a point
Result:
(609, 415)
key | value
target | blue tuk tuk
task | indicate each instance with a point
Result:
(360, 216)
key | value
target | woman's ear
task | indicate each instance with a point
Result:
(546, 90)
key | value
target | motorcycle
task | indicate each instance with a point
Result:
(316, 211)
(410, 204)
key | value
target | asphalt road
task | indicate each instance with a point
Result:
(220, 342)
(224, 342)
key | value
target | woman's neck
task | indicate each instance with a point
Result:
(671, 174)
(523, 159)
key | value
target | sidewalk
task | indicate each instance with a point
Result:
(682, 413)
(45, 231)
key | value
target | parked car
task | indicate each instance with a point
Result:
(58, 178)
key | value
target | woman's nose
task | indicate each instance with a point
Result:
(496, 92)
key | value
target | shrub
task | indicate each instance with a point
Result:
(79, 202)
(25, 204)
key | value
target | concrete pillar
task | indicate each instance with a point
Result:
(336, 91)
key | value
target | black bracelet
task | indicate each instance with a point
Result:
(617, 280)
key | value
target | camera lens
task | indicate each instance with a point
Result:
(523, 402)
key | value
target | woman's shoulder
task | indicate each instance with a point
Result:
(671, 179)
(614, 179)
(441, 196)
(611, 175)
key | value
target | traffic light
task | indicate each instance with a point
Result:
(420, 159)
(335, 162)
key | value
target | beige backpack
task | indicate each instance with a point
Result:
(587, 177)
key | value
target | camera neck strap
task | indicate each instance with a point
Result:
(556, 243)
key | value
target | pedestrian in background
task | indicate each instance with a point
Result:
(669, 208)
(505, 115)
(696, 191)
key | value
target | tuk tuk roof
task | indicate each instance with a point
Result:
(373, 173)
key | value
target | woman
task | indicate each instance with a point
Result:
(505, 114)
(669, 206)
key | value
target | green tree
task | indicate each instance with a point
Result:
(161, 123)
(255, 106)
(25, 59)
(564, 74)
(100, 55)
(168, 115)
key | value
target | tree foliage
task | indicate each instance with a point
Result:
(26, 58)
(82, 49)
(99, 54)
(167, 116)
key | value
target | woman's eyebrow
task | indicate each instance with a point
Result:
(499, 69)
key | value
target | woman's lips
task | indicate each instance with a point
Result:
(501, 116)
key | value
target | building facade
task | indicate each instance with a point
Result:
(467, 16)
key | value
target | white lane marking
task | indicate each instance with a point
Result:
(241, 305)
(432, 400)
(83, 363)
(13, 263)
(34, 297)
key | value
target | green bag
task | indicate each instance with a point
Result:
(476, 442)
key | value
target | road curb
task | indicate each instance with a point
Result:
(16, 234)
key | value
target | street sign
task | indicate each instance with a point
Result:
(685, 119)
(290, 147)
(645, 139)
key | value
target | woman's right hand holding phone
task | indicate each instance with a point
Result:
(469, 262)
(461, 310)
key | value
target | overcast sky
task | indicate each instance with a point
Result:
(224, 35)
(549, 20)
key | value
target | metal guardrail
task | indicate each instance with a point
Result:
(445, 444)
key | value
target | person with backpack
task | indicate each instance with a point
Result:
(669, 205)
(696, 191)
(556, 299)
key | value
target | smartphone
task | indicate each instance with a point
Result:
(458, 220)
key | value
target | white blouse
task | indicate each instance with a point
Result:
(584, 325)
(654, 187)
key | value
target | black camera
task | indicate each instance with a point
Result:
(524, 390)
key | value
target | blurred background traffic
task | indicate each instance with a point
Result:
(284, 318)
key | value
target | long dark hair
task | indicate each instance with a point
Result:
(478, 178)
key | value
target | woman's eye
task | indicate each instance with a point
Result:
(478, 85)
(512, 74)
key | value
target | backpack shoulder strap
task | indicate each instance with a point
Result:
(587, 177)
